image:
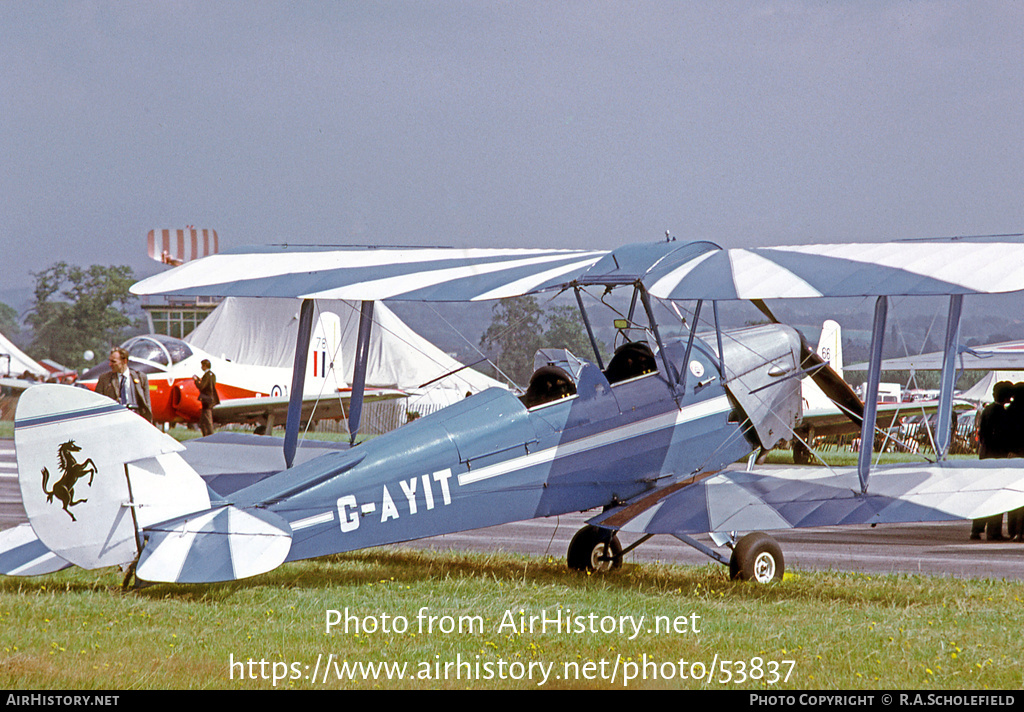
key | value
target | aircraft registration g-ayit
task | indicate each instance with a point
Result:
(649, 438)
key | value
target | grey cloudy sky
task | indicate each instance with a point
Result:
(577, 124)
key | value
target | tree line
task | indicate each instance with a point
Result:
(520, 326)
(75, 310)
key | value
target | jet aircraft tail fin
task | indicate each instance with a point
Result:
(93, 474)
(830, 345)
(325, 372)
(830, 349)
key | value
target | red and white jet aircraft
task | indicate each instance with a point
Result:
(248, 393)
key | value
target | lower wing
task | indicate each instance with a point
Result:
(796, 497)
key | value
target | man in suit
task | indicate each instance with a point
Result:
(208, 397)
(127, 386)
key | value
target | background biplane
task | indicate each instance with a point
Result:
(998, 362)
(648, 437)
(825, 417)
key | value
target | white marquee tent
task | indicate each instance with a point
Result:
(263, 332)
(14, 362)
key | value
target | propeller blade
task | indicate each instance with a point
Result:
(759, 303)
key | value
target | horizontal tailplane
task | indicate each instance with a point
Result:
(22, 554)
(221, 544)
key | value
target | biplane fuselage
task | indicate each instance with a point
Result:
(648, 438)
(489, 460)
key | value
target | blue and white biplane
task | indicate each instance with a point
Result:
(649, 438)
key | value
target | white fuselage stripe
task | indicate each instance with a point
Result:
(313, 521)
(703, 409)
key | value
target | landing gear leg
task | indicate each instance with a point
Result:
(265, 425)
(594, 549)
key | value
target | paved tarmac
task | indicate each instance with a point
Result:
(936, 549)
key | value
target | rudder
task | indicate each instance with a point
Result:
(110, 474)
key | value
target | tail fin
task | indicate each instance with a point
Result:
(111, 473)
(830, 345)
(325, 373)
(830, 348)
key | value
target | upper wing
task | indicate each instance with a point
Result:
(844, 270)
(670, 270)
(365, 273)
(802, 497)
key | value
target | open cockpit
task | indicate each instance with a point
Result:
(548, 384)
(632, 359)
(553, 380)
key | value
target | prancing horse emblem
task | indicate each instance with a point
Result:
(71, 472)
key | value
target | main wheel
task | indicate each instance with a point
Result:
(594, 549)
(757, 557)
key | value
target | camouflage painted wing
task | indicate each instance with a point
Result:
(789, 498)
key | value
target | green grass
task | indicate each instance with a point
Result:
(825, 630)
(79, 630)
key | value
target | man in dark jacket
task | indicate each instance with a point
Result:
(127, 386)
(995, 440)
(208, 397)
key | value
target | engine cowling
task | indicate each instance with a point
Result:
(762, 364)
